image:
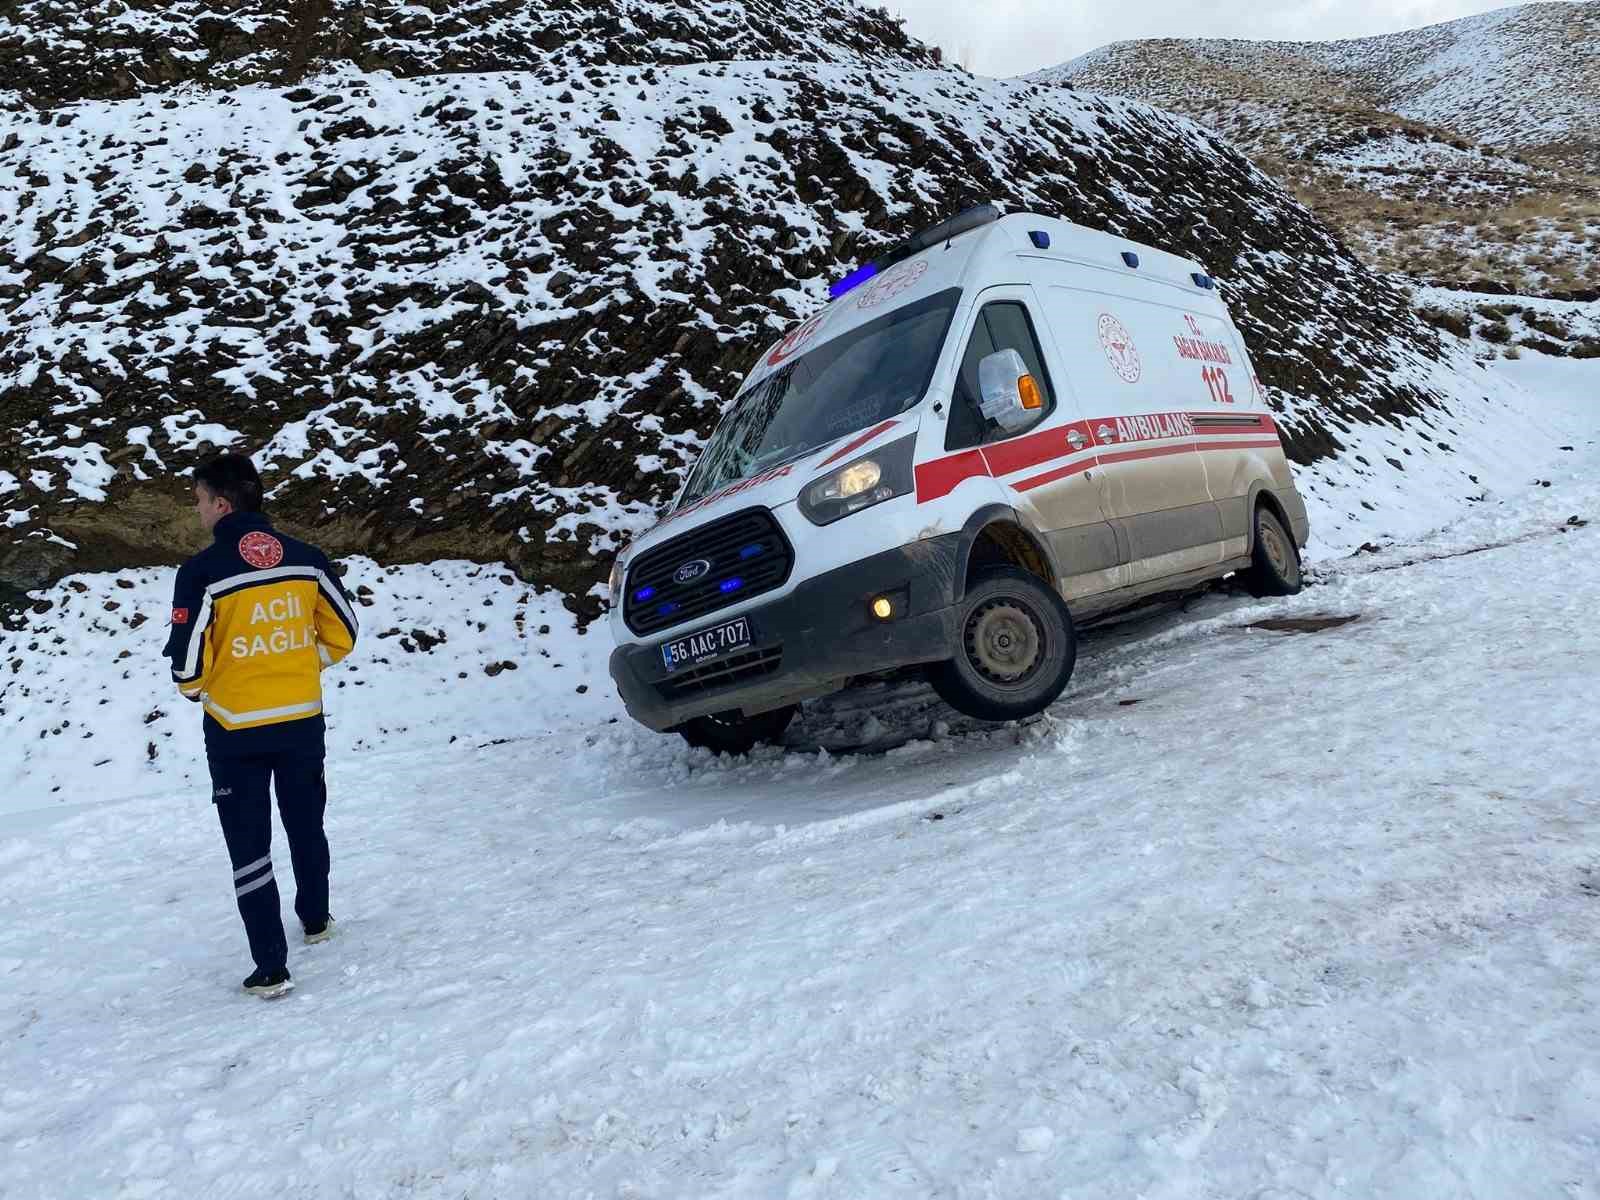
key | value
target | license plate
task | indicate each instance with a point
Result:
(706, 645)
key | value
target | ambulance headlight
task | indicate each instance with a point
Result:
(616, 579)
(871, 479)
(855, 479)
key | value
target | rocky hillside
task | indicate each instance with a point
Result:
(1468, 151)
(487, 307)
(64, 50)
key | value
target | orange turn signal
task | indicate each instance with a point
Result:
(1032, 397)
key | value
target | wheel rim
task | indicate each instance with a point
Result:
(1004, 641)
(1277, 553)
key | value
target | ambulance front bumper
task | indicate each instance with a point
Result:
(808, 643)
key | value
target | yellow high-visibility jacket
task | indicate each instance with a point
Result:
(256, 616)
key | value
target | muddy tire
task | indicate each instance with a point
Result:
(1274, 560)
(1017, 648)
(734, 733)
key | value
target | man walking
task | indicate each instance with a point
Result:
(256, 616)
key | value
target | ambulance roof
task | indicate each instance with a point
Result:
(980, 257)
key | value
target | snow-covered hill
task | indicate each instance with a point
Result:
(489, 315)
(1525, 77)
(1466, 151)
(64, 50)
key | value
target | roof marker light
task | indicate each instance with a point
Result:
(1039, 238)
(1203, 281)
(1132, 259)
(859, 276)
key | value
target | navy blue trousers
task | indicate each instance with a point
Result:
(241, 782)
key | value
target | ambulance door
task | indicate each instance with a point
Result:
(1046, 469)
(1138, 400)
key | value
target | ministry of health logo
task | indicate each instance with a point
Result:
(1121, 353)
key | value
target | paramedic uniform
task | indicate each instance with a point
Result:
(255, 618)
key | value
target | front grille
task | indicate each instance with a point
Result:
(741, 668)
(747, 555)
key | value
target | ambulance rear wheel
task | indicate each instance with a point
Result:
(735, 733)
(1017, 648)
(1274, 560)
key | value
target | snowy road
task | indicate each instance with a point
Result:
(1314, 917)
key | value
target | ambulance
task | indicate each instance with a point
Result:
(1003, 429)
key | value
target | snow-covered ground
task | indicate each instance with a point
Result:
(450, 652)
(1249, 913)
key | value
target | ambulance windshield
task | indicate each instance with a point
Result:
(857, 379)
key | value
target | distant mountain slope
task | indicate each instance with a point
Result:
(1468, 150)
(491, 315)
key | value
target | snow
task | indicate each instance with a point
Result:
(1387, 486)
(1529, 320)
(1576, 382)
(88, 472)
(1248, 913)
(436, 644)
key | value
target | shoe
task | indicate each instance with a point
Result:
(269, 985)
(319, 933)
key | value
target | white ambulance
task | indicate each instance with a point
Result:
(1005, 426)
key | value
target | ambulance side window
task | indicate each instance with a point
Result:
(1003, 325)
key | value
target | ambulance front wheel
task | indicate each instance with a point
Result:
(735, 733)
(1016, 652)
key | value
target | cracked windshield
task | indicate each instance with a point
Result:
(867, 375)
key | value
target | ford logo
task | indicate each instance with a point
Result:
(690, 571)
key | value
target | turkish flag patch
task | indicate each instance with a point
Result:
(180, 616)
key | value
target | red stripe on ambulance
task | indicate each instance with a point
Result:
(857, 443)
(1047, 445)
(940, 477)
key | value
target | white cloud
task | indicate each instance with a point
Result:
(1010, 37)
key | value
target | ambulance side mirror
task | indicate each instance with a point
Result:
(1008, 395)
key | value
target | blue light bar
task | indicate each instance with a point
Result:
(1039, 238)
(731, 585)
(753, 549)
(1132, 259)
(1202, 281)
(858, 276)
(643, 594)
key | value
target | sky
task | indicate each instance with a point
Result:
(1010, 37)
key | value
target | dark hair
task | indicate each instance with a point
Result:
(234, 478)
